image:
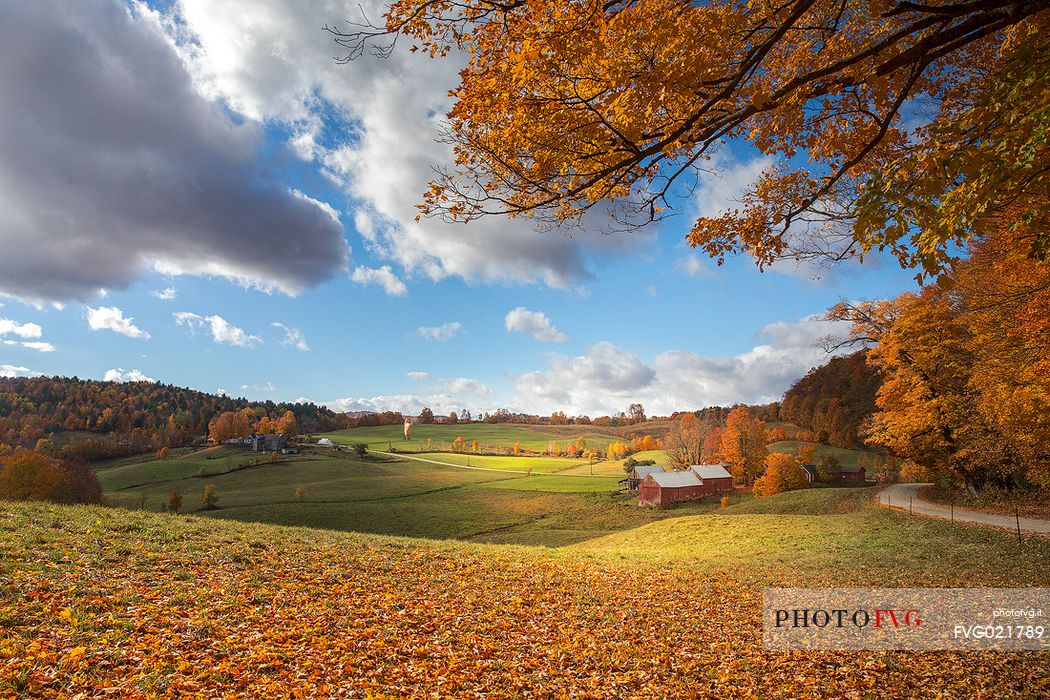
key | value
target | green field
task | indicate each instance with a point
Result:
(523, 464)
(420, 495)
(491, 437)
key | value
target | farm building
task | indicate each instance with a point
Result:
(852, 475)
(271, 442)
(811, 472)
(638, 473)
(325, 442)
(714, 477)
(664, 488)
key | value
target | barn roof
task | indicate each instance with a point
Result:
(710, 471)
(676, 480)
(643, 470)
(810, 469)
(850, 470)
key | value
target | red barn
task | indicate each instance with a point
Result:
(638, 473)
(714, 477)
(662, 489)
(852, 475)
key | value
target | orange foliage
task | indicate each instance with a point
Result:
(783, 473)
(34, 476)
(563, 106)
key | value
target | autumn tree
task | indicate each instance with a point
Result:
(29, 475)
(783, 473)
(685, 441)
(966, 367)
(453, 418)
(210, 497)
(744, 445)
(174, 502)
(636, 413)
(563, 107)
(229, 425)
(425, 415)
(828, 469)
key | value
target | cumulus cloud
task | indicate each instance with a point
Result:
(606, 378)
(111, 318)
(383, 276)
(385, 146)
(292, 337)
(411, 404)
(112, 163)
(22, 330)
(16, 371)
(120, 375)
(442, 333)
(37, 345)
(221, 330)
(166, 294)
(462, 386)
(534, 323)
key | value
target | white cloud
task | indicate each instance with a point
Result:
(111, 318)
(268, 62)
(411, 404)
(166, 294)
(131, 375)
(383, 276)
(462, 386)
(268, 388)
(114, 163)
(418, 376)
(606, 378)
(221, 330)
(15, 371)
(38, 346)
(442, 333)
(693, 266)
(535, 323)
(22, 330)
(292, 337)
(720, 191)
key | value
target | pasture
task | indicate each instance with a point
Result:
(432, 495)
(498, 437)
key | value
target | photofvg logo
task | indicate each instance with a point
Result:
(907, 618)
(840, 618)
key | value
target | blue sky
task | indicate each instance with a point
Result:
(253, 138)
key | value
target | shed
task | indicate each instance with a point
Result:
(325, 442)
(852, 475)
(639, 472)
(811, 472)
(714, 477)
(664, 488)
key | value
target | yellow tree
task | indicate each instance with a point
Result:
(565, 106)
(744, 445)
(288, 425)
(783, 473)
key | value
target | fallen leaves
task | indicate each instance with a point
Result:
(193, 608)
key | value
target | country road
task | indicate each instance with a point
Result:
(898, 495)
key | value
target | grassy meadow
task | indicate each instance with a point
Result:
(437, 495)
(491, 437)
